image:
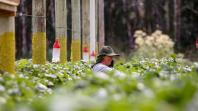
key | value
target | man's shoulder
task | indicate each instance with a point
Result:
(99, 65)
(101, 68)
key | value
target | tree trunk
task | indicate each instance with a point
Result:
(61, 27)
(171, 18)
(149, 16)
(50, 22)
(85, 29)
(76, 30)
(7, 38)
(69, 29)
(21, 32)
(39, 34)
(101, 23)
(177, 21)
(7, 44)
(92, 29)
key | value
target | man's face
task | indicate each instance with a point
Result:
(107, 60)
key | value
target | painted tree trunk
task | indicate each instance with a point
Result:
(7, 36)
(61, 27)
(39, 31)
(85, 30)
(76, 31)
(7, 44)
(92, 30)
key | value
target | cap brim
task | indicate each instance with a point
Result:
(113, 54)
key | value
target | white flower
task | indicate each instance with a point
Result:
(149, 41)
(14, 91)
(138, 33)
(1, 79)
(165, 37)
(164, 74)
(139, 41)
(70, 79)
(158, 32)
(121, 75)
(2, 100)
(170, 44)
(102, 93)
(102, 75)
(49, 83)
(117, 97)
(149, 93)
(41, 87)
(173, 77)
(135, 75)
(144, 34)
(53, 76)
(62, 103)
(36, 66)
(2, 88)
(196, 64)
(140, 86)
(187, 69)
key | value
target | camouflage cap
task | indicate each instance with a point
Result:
(107, 51)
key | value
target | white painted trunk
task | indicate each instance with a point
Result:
(92, 28)
(56, 55)
(86, 56)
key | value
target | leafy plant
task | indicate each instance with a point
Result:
(147, 84)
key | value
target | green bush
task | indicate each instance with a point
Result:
(148, 84)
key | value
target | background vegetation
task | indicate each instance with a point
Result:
(177, 18)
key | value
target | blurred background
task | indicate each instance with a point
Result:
(176, 18)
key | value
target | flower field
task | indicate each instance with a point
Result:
(167, 84)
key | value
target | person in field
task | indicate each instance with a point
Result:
(104, 62)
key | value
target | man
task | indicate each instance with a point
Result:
(104, 62)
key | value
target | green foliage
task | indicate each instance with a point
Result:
(142, 84)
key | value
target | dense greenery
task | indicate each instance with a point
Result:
(178, 19)
(142, 84)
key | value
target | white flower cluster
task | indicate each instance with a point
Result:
(156, 39)
(157, 44)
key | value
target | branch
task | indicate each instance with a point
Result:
(190, 9)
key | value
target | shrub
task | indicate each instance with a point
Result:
(155, 45)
